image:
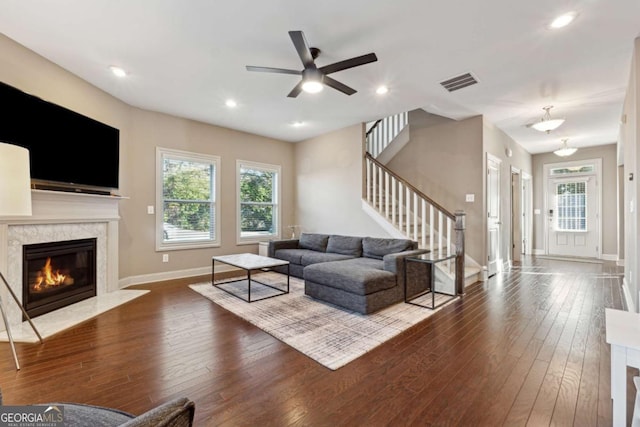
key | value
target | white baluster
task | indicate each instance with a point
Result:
(393, 201)
(380, 189)
(386, 195)
(415, 216)
(440, 230)
(400, 205)
(431, 225)
(408, 202)
(423, 228)
(368, 181)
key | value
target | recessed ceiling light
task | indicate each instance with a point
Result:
(231, 103)
(382, 90)
(563, 20)
(118, 71)
(297, 124)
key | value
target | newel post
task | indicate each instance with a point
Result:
(459, 230)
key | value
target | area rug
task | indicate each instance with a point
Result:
(327, 334)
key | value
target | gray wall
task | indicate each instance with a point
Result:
(447, 160)
(141, 132)
(499, 144)
(609, 194)
(329, 185)
(443, 159)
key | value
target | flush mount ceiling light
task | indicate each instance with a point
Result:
(117, 71)
(381, 90)
(547, 124)
(231, 103)
(563, 20)
(565, 150)
(297, 124)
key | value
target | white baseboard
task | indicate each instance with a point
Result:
(627, 296)
(610, 257)
(170, 275)
(538, 252)
(620, 262)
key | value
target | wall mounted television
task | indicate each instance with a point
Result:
(67, 151)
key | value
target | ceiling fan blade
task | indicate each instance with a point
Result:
(296, 90)
(338, 86)
(273, 70)
(349, 63)
(300, 43)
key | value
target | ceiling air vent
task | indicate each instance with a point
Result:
(459, 82)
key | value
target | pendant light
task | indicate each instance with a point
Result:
(565, 150)
(547, 124)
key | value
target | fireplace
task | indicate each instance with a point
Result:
(57, 274)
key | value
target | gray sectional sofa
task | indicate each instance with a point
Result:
(363, 274)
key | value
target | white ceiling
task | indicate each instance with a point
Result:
(187, 57)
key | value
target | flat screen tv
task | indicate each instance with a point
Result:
(68, 151)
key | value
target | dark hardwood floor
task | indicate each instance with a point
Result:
(527, 347)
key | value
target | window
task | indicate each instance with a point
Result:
(571, 202)
(258, 201)
(572, 170)
(187, 212)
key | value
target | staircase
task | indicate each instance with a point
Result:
(405, 212)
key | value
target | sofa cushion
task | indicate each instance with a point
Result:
(350, 276)
(313, 241)
(377, 248)
(347, 245)
(294, 256)
(312, 257)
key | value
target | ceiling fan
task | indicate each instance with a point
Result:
(313, 78)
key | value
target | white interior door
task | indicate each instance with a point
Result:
(527, 210)
(493, 215)
(516, 216)
(572, 216)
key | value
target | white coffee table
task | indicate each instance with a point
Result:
(249, 263)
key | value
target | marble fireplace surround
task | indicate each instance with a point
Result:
(59, 216)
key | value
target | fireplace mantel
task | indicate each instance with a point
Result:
(61, 216)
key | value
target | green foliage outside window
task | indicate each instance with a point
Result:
(257, 202)
(188, 208)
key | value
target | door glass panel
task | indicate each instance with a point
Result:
(571, 203)
(565, 170)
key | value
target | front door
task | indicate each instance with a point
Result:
(493, 215)
(573, 227)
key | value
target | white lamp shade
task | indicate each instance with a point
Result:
(547, 125)
(15, 181)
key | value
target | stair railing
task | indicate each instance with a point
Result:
(415, 214)
(383, 131)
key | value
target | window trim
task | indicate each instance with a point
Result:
(195, 157)
(278, 202)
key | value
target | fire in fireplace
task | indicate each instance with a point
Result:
(57, 274)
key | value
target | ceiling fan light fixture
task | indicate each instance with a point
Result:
(565, 150)
(312, 80)
(547, 124)
(312, 86)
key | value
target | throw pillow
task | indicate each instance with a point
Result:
(313, 241)
(345, 245)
